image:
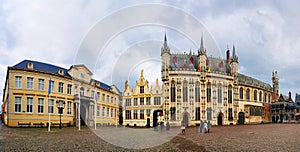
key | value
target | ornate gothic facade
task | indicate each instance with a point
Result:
(198, 87)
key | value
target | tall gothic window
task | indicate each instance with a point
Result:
(209, 113)
(173, 113)
(197, 92)
(197, 113)
(248, 94)
(255, 95)
(185, 92)
(260, 96)
(230, 94)
(141, 89)
(241, 93)
(219, 93)
(230, 114)
(173, 93)
(265, 97)
(208, 92)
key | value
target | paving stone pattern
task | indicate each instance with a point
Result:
(265, 137)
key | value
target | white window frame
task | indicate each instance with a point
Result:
(29, 84)
(69, 89)
(28, 103)
(18, 102)
(18, 82)
(60, 87)
(41, 106)
(98, 111)
(69, 108)
(41, 84)
(52, 85)
(51, 105)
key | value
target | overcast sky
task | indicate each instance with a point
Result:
(266, 35)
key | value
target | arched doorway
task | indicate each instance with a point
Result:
(156, 114)
(120, 116)
(220, 119)
(273, 119)
(83, 115)
(148, 122)
(185, 118)
(241, 120)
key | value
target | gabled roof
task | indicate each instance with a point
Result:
(40, 66)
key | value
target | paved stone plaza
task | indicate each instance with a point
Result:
(265, 137)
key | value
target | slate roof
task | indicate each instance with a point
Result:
(39, 66)
(246, 80)
(190, 62)
(49, 68)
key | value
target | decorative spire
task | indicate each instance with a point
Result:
(234, 56)
(201, 50)
(165, 48)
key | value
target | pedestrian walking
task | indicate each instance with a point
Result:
(201, 127)
(183, 128)
(167, 126)
(204, 127)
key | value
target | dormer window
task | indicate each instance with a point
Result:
(61, 71)
(30, 65)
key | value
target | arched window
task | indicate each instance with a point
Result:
(185, 92)
(255, 95)
(269, 98)
(230, 94)
(260, 95)
(248, 94)
(219, 93)
(173, 92)
(241, 93)
(197, 113)
(265, 97)
(208, 92)
(173, 113)
(197, 92)
(81, 91)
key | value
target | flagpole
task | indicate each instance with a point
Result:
(79, 108)
(95, 109)
(49, 91)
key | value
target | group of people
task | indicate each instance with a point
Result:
(203, 128)
(161, 126)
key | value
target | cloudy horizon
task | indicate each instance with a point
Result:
(266, 35)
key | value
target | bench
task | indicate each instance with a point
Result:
(39, 124)
(63, 124)
(21, 124)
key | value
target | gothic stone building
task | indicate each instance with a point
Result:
(198, 87)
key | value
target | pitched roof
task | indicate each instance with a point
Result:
(246, 80)
(40, 66)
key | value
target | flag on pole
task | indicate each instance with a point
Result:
(49, 91)
(49, 87)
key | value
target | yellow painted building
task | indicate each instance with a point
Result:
(142, 104)
(33, 90)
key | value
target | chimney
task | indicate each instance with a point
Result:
(228, 56)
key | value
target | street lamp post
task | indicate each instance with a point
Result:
(60, 106)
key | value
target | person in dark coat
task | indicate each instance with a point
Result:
(208, 126)
(167, 126)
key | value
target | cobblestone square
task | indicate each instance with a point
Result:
(265, 137)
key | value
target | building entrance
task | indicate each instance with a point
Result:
(220, 119)
(241, 120)
(156, 114)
